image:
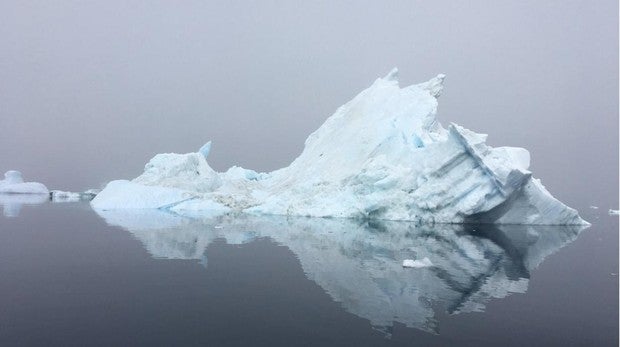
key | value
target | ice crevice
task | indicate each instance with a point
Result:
(382, 155)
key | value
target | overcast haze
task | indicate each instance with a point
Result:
(89, 92)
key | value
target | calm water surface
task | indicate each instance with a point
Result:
(71, 276)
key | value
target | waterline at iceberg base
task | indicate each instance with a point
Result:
(382, 155)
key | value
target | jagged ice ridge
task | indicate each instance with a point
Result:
(382, 155)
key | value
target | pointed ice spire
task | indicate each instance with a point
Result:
(434, 86)
(204, 150)
(392, 75)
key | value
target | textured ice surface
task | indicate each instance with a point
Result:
(417, 263)
(13, 183)
(359, 263)
(382, 155)
(63, 196)
(613, 212)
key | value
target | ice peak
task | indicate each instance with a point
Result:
(434, 86)
(392, 76)
(205, 149)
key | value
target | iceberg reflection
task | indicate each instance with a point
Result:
(12, 203)
(359, 263)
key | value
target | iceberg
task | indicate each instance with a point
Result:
(13, 183)
(383, 155)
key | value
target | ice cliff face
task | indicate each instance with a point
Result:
(382, 155)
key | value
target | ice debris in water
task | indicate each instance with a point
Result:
(62, 196)
(594, 207)
(13, 183)
(417, 263)
(613, 212)
(383, 155)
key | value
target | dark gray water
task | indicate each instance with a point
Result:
(72, 277)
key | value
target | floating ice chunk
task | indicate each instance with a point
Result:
(594, 207)
(613, 212)
(425, 262)
(13, 183)
(62, 196)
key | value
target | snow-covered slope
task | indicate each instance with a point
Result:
(382, 155)
(13, 183)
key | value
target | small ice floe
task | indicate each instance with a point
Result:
(613, 212)
(91, 193)
(62, 196)
(218, 227)
(417, 263)
(594, 207)
(13, 183)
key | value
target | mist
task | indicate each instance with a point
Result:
(89, 92)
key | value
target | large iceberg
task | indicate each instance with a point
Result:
(382, 155)
(13, 183)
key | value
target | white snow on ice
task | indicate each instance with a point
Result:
(13, 183)
(416, 264)
(382, 155)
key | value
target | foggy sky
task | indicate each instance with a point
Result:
(90, 91)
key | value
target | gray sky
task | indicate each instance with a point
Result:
(89, 91)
